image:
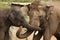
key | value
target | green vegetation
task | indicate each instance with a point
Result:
(4, 6)
(15, 0)
(19, 0)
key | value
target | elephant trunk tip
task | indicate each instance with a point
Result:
(19, 36)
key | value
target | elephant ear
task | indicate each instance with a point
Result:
(48, 10)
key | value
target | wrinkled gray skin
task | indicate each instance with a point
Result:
(53, 26)
(11, 16)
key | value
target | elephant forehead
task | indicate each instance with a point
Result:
(36, 13)
(35, 21)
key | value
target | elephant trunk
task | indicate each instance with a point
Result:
(25, 35)
(28, 26)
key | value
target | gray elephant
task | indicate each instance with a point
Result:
(12, 16)
(52, 19)
(52, 26)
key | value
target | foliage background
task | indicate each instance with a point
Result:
(20, 0)
(6, 6)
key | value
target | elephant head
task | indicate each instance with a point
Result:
(45, 13)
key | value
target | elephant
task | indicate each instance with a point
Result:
(33, 13)
(52, 26)
(49, 20)
(12, 16)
